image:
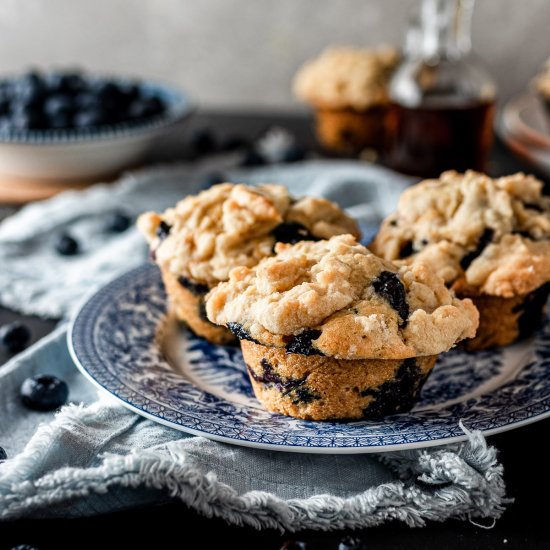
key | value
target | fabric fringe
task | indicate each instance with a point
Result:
(463, 482)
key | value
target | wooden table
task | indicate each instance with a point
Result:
(523, 525)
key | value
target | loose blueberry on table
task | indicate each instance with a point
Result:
(293, 545)
(233, 143)
(350, 543)
(71, 100)
(252, 158)
(212, 179)
(3, 454)
(294, 153)
(15, 336)
(117, 222)
(44, 392)
(278, 144)
(202, 141)
(66, 245)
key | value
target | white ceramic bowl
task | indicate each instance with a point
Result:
(86, 155)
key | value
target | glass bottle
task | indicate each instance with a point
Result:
(441, 100)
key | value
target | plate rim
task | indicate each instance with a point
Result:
(514, 122)
(286, 447)
(532, 155)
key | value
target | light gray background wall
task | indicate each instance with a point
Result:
(234, 53)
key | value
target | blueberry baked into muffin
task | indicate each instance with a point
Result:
(199, 241)
(488, 238)
(330, 331)
(348, 89)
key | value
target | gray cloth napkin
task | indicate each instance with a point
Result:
(35, 280)
(95, 456)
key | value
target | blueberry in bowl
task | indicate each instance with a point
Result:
(73, 126)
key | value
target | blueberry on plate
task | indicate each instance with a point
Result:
(15, 336)
(117, 222)
(44, 392)
(3, 454)
(66, 245)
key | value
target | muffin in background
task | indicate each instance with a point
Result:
(489, 239)
(348, 88)
(199, 241)
(330, 331)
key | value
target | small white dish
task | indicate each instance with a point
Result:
(88, 155)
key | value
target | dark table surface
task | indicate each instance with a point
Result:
(522, 452)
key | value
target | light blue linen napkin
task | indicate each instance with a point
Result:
(95, 456)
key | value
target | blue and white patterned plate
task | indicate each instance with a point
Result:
(122, 341)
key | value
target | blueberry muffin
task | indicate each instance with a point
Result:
(348, 88)
(203, 237)
(330, 331)
(489, 239)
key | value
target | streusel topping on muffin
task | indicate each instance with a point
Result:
(493, 233)
(228, 225)
(336, 298)
(345, 77)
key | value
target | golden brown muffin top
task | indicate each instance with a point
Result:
(492, 234)
(336, 298)
(344, 77)
(206, 235)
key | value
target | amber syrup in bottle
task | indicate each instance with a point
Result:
(425, 141)
(442, 100)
